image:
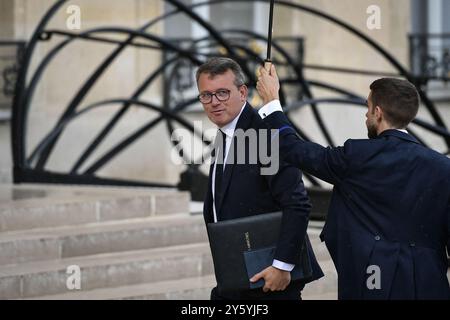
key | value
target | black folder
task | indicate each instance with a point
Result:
(243, 247)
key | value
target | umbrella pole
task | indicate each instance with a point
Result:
(268, 61)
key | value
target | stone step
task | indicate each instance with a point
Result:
(196, 288)
(29, 207)
(106, 270)
(89, 239)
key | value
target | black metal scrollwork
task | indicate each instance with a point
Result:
(32, 167)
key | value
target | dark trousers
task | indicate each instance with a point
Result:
(292, 292)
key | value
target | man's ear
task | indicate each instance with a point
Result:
(379, 115)
(243, 90)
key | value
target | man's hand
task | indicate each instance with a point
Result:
(275, 279)
(268, 84)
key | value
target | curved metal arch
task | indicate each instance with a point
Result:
(301, 104)
(249, 52)
(315, 111)
(48, 34)
(320, 84)
(147, 105)
(35, 79)
(19, 113)
(117, 116)
(114, 151)
(121, 112)
(170, 129)
(254, 56)
(301, 80)
(214, 33)
(358, 102)
(310, 178)
(72, 106)
(45, 153)
(432, 128)
(394, 62)
(21, 155)
(20, 110)
(114, 120)
(438, 130)
(434, 113)
(124, 143)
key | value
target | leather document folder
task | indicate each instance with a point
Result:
(243, 247)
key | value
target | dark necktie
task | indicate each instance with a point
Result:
(220, 152)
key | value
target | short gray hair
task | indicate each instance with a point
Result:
(220, 65)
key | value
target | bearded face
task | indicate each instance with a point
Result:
(371, 130)
(371, 120)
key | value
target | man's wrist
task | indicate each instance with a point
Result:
(269, 100)
(280, 265)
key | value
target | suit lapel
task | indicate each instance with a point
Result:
(243, 123)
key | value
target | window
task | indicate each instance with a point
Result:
(430, 45)
(236, 15)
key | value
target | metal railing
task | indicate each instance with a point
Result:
(32, 165)
(430, 56)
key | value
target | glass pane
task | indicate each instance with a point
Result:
(233, 16)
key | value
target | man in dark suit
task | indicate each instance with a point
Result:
(239, 190)
(388, 223)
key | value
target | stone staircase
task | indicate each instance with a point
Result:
(129, 243)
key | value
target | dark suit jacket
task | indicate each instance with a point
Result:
(390, 208)
(246, 192)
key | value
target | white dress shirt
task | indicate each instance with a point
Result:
(270, 108)
(228, 130)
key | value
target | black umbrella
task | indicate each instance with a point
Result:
(268, 60)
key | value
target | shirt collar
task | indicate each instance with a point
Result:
(402, 130)
(229, 128)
